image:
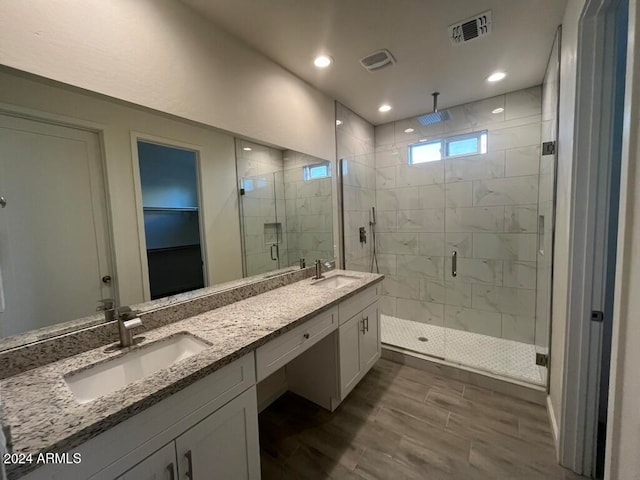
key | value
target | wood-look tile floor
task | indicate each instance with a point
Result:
(403, 423)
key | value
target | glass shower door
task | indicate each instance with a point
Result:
(263, 225)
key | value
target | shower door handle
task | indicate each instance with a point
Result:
(454, 264)
(277, 255)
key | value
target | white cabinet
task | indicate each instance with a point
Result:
(222, 446)
(159, 466)
(359, 347)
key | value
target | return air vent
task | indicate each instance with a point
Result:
(378, 60)
(470, 29)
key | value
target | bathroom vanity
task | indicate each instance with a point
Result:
(183, 402)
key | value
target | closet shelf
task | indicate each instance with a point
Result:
(170, 209)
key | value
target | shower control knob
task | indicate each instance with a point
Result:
(106, 279)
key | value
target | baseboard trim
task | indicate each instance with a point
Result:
(521, 390)
(554, 426)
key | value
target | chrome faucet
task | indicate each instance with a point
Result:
(127, 320)
(319, 264)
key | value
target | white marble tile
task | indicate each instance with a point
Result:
(515, 301)
(390, 156)
(431, 244)
(407, 198)
(420, 174)
(427, 220)
(423, 312)
(505, 246)
(401, 287)
(385, 134)
(420, 267)
(388, 305)
(475, 167)
(506, 191)
(459, 194)
(518, 328)
(420, 131)
(460, 242)
(522, 161)
(386, 221)
(473, 115)
(398, 243)
(514, 137)
(475, 270)
(521, 219)
(386, 263)
(472, 320)
(449, 293)
(432, 196)
(519, 274)
(474, 219)
(385, 177)
(523, 103)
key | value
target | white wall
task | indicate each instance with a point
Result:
(623, 435)
(162, 55)
(566, 122)
(117, 122)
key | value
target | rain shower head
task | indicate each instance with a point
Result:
(435, 116)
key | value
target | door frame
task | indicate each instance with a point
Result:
(137, 190)
(590, 202)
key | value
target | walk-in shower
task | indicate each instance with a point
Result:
(458, 214)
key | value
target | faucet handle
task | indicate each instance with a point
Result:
(125, 313)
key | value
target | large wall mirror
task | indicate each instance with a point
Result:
(106, 200)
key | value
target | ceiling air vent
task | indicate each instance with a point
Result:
(471, 28)
(378, 60)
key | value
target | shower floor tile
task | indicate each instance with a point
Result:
(495, 355)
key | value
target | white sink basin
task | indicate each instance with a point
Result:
(336, 281)
(112, 375)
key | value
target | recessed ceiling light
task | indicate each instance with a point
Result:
(409, 130)
(496, 77)
(322, 61)
(384, 108)
(338, 123)
(498, 110)
(247, 149)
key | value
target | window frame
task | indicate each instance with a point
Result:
(445, 144)
(306, 171)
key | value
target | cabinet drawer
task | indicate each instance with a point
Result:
(359, 302)
(281, 350)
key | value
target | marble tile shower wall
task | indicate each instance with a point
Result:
(309, 207)
(484, 207)
(356, 146)
(263, 205)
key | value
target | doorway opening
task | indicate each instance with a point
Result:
(171, 208)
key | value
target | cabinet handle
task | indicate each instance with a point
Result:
(366, 321)
(189, 472)
(363, 330)
(170, 470)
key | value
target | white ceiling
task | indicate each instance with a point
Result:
(293, 32)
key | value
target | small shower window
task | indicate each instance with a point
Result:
(316, 171)
(456, 146)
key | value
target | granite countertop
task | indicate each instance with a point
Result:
(42, 415)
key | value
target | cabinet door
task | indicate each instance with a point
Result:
(224, 445)
(349, 354)
(159, 466)
(370, 338)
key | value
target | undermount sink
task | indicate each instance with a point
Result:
(112, 375)
(336, 281)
